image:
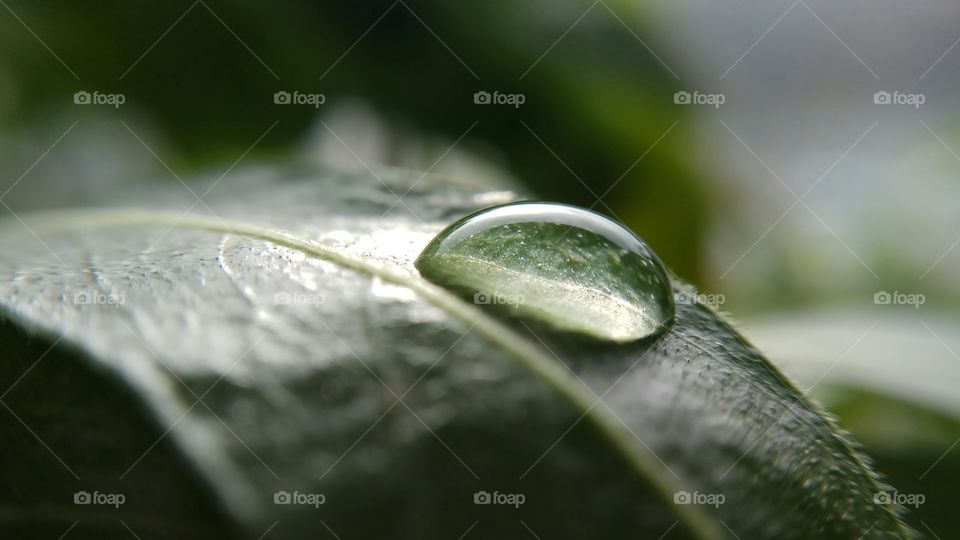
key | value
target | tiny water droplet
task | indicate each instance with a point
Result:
(574, 269)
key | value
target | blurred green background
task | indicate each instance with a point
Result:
(796, 202)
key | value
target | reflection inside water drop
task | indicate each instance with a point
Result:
(571, 268)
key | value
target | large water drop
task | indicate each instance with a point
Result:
(571, 268)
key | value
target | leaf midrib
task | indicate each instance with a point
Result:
(622, 304)
(645, 464)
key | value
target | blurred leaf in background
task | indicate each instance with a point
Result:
(597, 118)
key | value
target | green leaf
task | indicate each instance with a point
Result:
(906, 414)
(866, 349)
(202, 364)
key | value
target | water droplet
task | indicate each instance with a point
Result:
(574, 269)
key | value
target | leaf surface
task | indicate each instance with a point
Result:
(280, 343)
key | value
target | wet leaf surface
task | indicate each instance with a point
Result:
(212, 367)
